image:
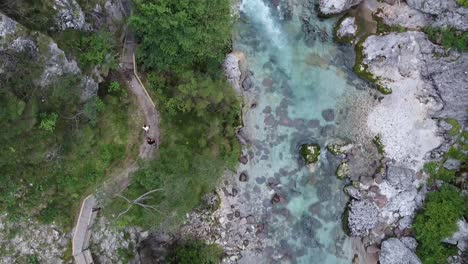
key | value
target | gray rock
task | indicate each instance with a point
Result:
(405, 222)
(7, 25)
(460, 238)
(69, 15)
(353, 192)
(333, 7)
(404, 16)
(347, 28)
(232, 71)
(403, 203)
(410, 243)
(395, 252)
(452, 164)
(400, 178)
(446, 13)
(362, 217)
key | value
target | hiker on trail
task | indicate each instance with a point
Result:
(146, 128)
(150, 140)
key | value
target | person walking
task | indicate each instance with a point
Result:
(146, 128)
(150, 141)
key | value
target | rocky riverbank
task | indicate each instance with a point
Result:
(396, 128)
(423, 85)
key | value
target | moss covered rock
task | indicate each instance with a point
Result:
(343, 171)
(310, 153)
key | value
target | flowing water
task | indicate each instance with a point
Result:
(298, 81)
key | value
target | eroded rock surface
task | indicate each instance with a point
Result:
(445, 13)
(69, 15)
(362, 217)
(395, 252)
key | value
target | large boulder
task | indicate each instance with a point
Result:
(395, 252)
(362, 217)
(333, 7)
(400, 178)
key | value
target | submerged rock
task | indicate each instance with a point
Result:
(362, 217)
(310, 153)
(395, 252)
(333, 7)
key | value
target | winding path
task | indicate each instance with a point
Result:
(119, 182)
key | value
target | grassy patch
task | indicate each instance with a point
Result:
(195, 251)
(449, 38)
(89, 48)
(383, 28)
(456, 127)
(377, 140)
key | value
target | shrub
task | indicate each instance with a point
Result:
(448, 38)
(196, 251)
(48, 121)
(437, 221)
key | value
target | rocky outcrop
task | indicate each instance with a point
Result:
(43, 51)
(29, 238)
(445, 13)
(111, 245)
(347, 29)
(232, 70)
(333, 7)
(69, 15)
(110, 14)
(395, 252)
(400, 62)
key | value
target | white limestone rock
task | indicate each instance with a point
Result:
(347, 28)
(395, 252)
(333, 7)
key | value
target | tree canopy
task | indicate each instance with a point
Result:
(182, 33)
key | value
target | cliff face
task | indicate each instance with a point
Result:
(20, 48)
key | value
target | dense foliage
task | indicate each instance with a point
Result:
(195, 251)
(55, 146)
(199, 110)
(89, 48)
(448, 37)
(183, 33)
(442, 210)
(36, 15)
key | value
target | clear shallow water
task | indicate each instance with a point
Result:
(294, 81)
